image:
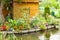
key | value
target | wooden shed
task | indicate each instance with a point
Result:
(31, 5)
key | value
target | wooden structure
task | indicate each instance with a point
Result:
(31, 4)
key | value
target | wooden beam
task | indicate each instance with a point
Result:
(28, 0)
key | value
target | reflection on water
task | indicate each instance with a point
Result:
(55, 37)
(52, 34)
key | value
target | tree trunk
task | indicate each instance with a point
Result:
(1, 15)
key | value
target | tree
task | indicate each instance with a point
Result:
(1, 15)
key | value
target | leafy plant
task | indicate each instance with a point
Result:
(12, 23)
(51, 3)
(19, 22)
(42, 27)
(35, 21)
(8, 17)
(25, 24)
(47, 11)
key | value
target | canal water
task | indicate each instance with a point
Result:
(51, 34)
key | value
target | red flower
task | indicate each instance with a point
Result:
(3, 27)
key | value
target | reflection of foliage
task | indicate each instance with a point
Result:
(54, 31)
(42, 32)
(47, 34)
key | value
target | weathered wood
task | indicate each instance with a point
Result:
(28, 0)
(33, 9)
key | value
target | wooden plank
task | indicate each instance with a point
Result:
(28, 0)
(33, 9)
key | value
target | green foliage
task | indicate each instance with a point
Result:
(8, 17)
(42, 20)
(1, 20)
(54, 3)
(47, 11)
(42, 27)
(5, 2)
(12, 23)
(35, 21)
(0, 36)
(19, 22)
(25, 24)
(22, 22)
(57, 14)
